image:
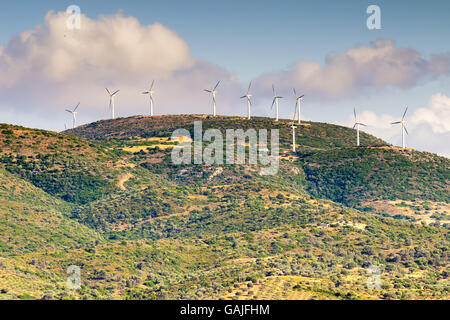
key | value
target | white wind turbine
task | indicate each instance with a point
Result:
(150, 94)
(111, 101)
(403, 123)
(213, 93)
(275, 102)
(356, 125)
(298, 100)
(249, 103)
(74, 114)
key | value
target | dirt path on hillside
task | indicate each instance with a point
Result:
(122, 179)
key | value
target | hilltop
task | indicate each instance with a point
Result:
(333, 167)
(311, 135)
(141, 227)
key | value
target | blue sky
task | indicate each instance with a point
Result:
(253, 39)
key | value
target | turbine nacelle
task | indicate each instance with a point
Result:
(74, 109)
(112, 94)
(403, 123)
(248, 95)
(213, 94)
(74, 114)
(249, 101)
(359, 124)
(150, 93)
(298, 99)
(356, 121)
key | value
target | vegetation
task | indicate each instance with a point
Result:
(352, 175)
(107, 198)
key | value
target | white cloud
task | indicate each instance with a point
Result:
(47, 69)
(104, 48)
(380, 65)
(436, 114)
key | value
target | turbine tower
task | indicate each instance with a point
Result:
(74, 115)
(249, 103)
(275, 102)
(111, 101)
(403, 123)
(356, 125)
(213, 93)
(293, 137)
(150, 94)
(298, 100)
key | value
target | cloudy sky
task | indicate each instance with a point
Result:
(322, 48)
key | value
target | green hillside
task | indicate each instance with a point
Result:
(67, 167)
(31, 220)
(311, 135)
(352, 175)
(106, 197)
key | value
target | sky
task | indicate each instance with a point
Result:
(323, 48)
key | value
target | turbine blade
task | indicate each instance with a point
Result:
(295, 93)
(405, 113)
(354, 125)
(397, 122)
(146, 92)
(406, 130)
(273, 102)
(243, 97)
(76, 107)
(69, 111)
(301, 96)
(151, 87)
(249, 86)
(115, 92)
(362, 124)
(354, 112)
(208, 90)
(216, 86)
(108, 91)
(273, 89)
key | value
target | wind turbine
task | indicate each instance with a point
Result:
(298, 100)
(403, 123)
(150, 93)
(74, 114)
(275, 102)
(249, 103)
(213, 93)
(356, 125)
(111, 101)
